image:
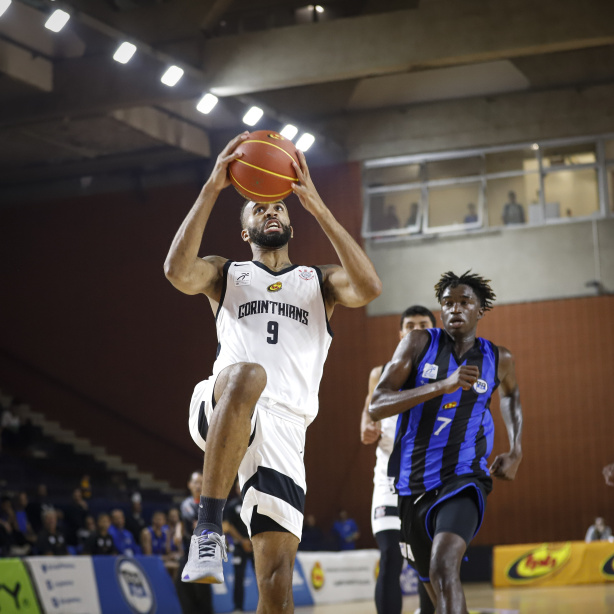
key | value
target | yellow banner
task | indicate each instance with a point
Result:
(555, 564)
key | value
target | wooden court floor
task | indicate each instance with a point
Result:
(482, 598)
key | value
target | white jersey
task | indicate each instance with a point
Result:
(278, 320)
(383, 450)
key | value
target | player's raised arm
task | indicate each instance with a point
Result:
(355, 283)
(505, 465)
(389, 400)
(370, 431)
(183, 268)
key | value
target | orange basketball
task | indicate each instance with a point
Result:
(264, 173)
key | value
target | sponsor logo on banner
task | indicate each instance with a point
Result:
(430, 371)
(243, 279)
(538, 563)
(317, 576)
(608, 568)
(306, 274)
(16, 591)
(276, 287)
(136, 589)
(480, 386)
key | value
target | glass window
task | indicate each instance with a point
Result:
(519, 160)
(570, 194)
(452, 205)
(392, 175)
(609, 150)
(610, 175)
(568, 155)
(391, 210)
(508, 200)
(458, 167)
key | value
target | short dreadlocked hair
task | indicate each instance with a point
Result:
(478, 284)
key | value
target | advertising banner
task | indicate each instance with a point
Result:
(556, 564)
(16, 591)
(138, 585)
(65, 584)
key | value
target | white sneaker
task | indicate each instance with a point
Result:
(205, 559)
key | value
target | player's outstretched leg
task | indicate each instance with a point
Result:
(446, 555)
(274, 554)
(237, 389)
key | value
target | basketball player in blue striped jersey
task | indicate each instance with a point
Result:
(272, 321)
(440, 382)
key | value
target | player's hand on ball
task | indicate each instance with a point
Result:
(305, 190)
(505, 466)
(219, 176)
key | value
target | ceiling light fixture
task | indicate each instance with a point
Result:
(289, 131)
(172, 75)
(305, 142)
(124, 53)
(57, 20)
(206, 104)
(319, 8)
(252, 117)
(4, 4)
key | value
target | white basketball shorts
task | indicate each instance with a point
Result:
(384, 508)
(272, 472)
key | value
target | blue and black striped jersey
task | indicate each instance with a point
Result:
(452, 434)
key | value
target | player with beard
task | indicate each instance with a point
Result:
(272, 320)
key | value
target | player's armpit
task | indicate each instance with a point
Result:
(204, 276)
(338, 288)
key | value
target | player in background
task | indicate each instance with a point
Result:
(441, 382)
(385, 521)
(273, 333)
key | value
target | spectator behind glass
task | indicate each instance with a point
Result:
(412, 220)
(513, 212)
(74, 516)
(472, 214)
(122, 538)
(135, 523)
(101, 542)
(313, 537)
(598, 531)
(51, 541)
(346, 530)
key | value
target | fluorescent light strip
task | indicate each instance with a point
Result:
(289, 131)
(252, 117)
(57, 21)
(4, 4)
(206, 104)
(172, 75)
(305, 142)
(124, 53)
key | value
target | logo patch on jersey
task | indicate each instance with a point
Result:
(306, 274)
(430, 371)
(480, 386)
(243, 279)
(450, 405)
(276, 287)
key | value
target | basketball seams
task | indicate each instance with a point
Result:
(264, 170)
(272, 145)
(272, 196)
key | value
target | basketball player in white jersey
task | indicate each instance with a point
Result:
(385, 521)
(273, 333)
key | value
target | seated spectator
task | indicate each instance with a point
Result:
(101, 542)
(50, 540)
(85, 532)
(74, 516)
(174, 532)
(472, 214)
(313, 537)
(346, 530)
(21, 517)
(37, 505)
(122, 538)
(135, 523)
(598, 531)
(154, 539)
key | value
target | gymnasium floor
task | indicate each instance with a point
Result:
(482, 598)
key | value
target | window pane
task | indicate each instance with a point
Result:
(610, 173)
(453, 205)
(450, 169)
(517, 160)
(571, 193)
(506, 199)
(392, 175)
(567, 155)
(394, 210)
(609, 150)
